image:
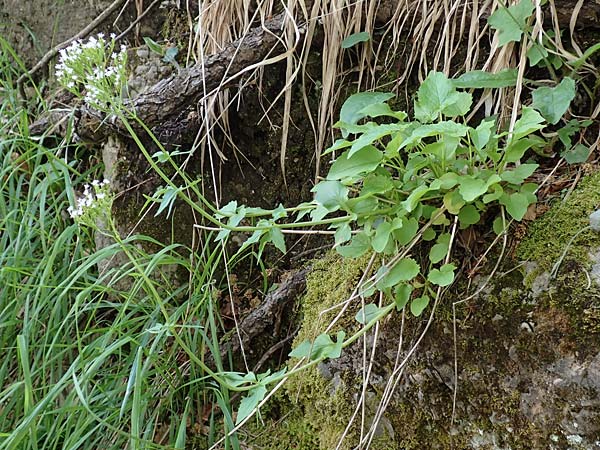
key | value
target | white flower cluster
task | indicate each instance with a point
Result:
(87, 66)
(92, 196)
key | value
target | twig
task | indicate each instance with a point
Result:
(83, 33)
(138, 20)
(273, 349)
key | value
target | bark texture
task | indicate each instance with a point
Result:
(165, 106)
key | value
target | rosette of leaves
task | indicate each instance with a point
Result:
(399, 180)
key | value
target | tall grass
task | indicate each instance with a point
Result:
(85, 364)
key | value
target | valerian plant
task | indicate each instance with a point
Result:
(94, 70)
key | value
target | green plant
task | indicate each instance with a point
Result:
(94, 359)
(397, 183)
(94, 71)
(400, 182)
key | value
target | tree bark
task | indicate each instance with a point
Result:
(163, 106)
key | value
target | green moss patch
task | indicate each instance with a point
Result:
(548, 236)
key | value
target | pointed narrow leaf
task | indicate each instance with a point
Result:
(487, 80)
(276, 237)
(250, 402)
(355, 38)
(519, 174)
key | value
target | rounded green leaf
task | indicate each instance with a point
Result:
(444, 276)
(578, 154)
(471, 188)
(418, 305)
(554, 102)
(439, 251)
(330, 194)
(358, 246)
(453, 202)
(429, 235)
(468, 215)
(368, 313)
(405, 270)
(407, 232)
(382, 236)
(516, 204)
(499, 225)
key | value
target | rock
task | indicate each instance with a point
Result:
(528, 357)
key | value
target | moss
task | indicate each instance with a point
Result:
(281, 427)
(548, 236)
(572, 299)
(331, 282)
(327, 408)
(420, 414)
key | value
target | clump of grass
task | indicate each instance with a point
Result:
(86, 363)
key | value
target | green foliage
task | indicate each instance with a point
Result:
(437, 96)
(553, 103)
(403, 181)
(322, 348)
(92, 352)
(577, 154)
(399, 181)
(154, 46)
(511, 22)
(86, 355)
(368, 313)
(482, 79)
(356, 38)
